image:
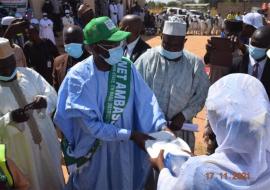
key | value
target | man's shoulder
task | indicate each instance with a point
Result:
(240, 63)
(143, 44)
(48, 42)
(190, 54)
(147, 56)
(152, 52)
(28, 72)
(140, 48)
(25, 69)
(193, 62)
(28, 44)
(192, 57)
(60, 60)
(64, 55)
(78, 76)
(266, 72)
(82, 70)
(268, 63)
(17, 48)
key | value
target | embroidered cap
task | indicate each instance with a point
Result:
(175, 26)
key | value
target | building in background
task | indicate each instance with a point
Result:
(200, 7)
(36, 5)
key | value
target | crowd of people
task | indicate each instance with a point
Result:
(204, 24)
(95, 104)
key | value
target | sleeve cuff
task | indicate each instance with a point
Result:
(124, 134)
(186, 114)
(165, 177)
(165, 172)
(161, 123)
(7, 118)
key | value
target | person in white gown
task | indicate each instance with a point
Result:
(113, 12)
(46, 28)
(238, 111)
(67, 20)
(28, 131)
(120, 8)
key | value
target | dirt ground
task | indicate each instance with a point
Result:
(196, 45)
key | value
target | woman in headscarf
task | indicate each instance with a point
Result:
(238, 111)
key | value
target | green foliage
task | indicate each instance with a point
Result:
(155, 5)
(204, 1)
(151, 4)
(160, 5)
(172, 4)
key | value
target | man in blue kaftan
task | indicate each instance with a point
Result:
(105, 109)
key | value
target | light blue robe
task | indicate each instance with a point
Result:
(118, 164)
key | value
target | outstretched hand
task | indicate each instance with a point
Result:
(158, 163)
(140, 138)
(177, 122)
(39, 103)
(237, 44)
(19, 116)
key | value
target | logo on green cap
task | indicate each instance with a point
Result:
(109, 23)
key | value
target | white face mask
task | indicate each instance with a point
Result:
(170, 54)
(116, 54)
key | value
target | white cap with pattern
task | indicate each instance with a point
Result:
(175, 26)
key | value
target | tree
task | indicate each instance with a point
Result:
(151, 4)
(205, 1)
(172, 4)
(160, 5)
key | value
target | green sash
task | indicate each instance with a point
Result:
(116, 101)
(118, 91)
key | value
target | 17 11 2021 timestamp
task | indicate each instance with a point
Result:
(228, 176)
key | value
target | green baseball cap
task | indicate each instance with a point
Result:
(103, 28)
